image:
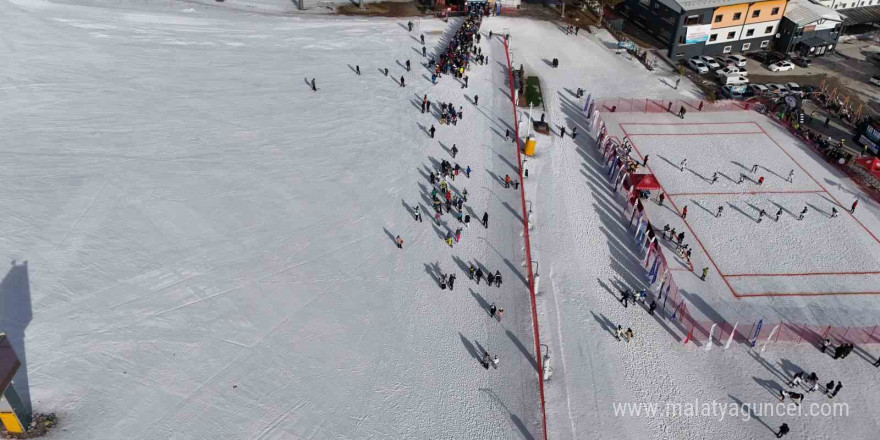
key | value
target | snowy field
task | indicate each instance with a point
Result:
(827, 267)
(203, 248)
(209, 243)
(587, 253)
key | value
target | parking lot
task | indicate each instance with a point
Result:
(852, 66)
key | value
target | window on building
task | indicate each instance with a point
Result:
(768, 29)
(731, 35)
(756, 13)
(737, 15)
(692, 19)
(764, 44)
(713, 37)
(718, 18)
(746, 46)
(774, 11)
(727, 49)
(656, 6)
(750, 32)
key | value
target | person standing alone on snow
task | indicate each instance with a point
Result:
(783, 430)
(682, 165)
(454, 151)
(486, 220)
(714, 178)
(431, 131)
(804, 212)
(497, 278)
(791, 176)
(399, 242)
(705, 272)
(852, 210)
(684, 212)
(718, 213)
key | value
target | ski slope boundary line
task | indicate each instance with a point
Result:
(724, 276)
(525, 218)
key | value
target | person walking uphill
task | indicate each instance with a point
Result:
(497, 278)
(681, 112)
(454, 151)
(486, 220)
(431, 131)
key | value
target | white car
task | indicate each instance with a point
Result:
(794, 88)
(709, 61)
(698, 66)
(730, 70)
(781, 66)
(777, 89)
(733, 80)
(736, 60)
(757, 90)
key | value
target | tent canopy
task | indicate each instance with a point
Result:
(645, 182)
(870, 164)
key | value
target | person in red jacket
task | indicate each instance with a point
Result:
(684, 212)
(853, 209)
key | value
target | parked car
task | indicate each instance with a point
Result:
(809, 89)
(777, 89)
(802, 62)
(794, 88)
(698, 66)
(781, 66)
(875, 80)
(733, 92)
(709, 61)
(731, 70)
(756, 90)
(733, 80)
(736, 60)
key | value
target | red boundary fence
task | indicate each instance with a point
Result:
(648, 105)
(662, 286)
(528, 246)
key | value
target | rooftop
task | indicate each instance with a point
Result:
(803, 12)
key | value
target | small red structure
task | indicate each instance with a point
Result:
(872, 164)
(645, 182)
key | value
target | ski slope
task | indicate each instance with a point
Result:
(209, 243)
(203, 248)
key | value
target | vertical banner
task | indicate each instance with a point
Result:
(754, 339)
